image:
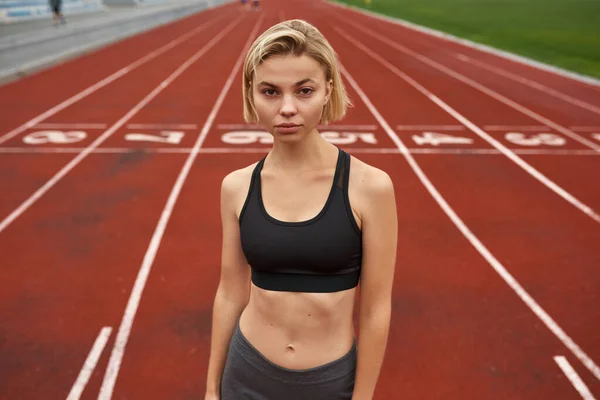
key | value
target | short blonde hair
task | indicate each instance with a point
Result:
(296, 37)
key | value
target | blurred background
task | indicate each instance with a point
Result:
(564, 33)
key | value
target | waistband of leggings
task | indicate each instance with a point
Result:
(333, 370)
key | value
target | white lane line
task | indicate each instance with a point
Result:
(484, 89)
(118, 351)
(90, 364)
(319, 127)
(241, 150)
(474, 240)
(485, 136)
(73, 163)
(162, 126)
(60, 125)
(575, 380)
(516, 128)
(530, 83)
(430, 127)
(111, 78)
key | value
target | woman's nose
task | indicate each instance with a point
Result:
(288, 106)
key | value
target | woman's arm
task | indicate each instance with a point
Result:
(234, 285)
(379, 232)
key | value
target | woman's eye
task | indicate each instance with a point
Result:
(269, 92)
(306, 91)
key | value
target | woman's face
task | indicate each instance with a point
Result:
(289, 95)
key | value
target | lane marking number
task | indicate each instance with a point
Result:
(517, 138)
(537, 139)
(168, 137)
(435, 139)
(59, 137)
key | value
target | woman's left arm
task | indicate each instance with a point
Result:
(379, 225)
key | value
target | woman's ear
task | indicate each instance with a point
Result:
(329, 91)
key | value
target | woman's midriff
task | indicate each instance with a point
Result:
(299, 330)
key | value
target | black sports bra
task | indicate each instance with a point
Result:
(322, 254)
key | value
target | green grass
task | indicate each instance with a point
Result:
(565, 33)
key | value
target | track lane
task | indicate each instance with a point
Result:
(483, 110)
(572, 87)
(74, 275)
(111, 379)
(547, 105)
(500, 179)
(110, 104)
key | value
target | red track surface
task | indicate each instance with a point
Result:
(71, 251)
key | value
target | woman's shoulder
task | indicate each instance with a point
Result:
(237, 181)
(369, 179)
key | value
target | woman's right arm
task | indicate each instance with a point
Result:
(234, 285)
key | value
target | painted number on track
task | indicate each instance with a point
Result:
(168, 137)
(435, 139)
(538, 139)
(57, 137)
(349, 137)
(250, 137)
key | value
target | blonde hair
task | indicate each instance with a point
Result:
(296, 37)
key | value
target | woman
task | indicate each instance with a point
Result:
(300, 228)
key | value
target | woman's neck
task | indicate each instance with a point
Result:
(312, 152)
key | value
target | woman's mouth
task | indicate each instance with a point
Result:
(288, 128)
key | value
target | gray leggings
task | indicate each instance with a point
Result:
(248, 375)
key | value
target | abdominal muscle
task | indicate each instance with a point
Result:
(299, 330)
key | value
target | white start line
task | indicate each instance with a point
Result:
(243, 135)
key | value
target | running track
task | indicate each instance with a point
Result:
(110, 232)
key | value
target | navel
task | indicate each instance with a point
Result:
(290, 348)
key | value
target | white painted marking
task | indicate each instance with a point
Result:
(477, 244)
(575, 380)
(241, 150)
(480, 87)
(162, 126)
(75, 161)
(533, 152)
(58, 137)
(435, 139)
(430, 127)
(345, 138)
(538, 139)
(533, 84)
(63, 126)
(90, 364)
(169, 137)
(585, 79)
(485, 136)
(111, 78)
(586, 128)
(523, 128)
(596, 136)
(319, 127)
(247, 137)
(118, 351)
